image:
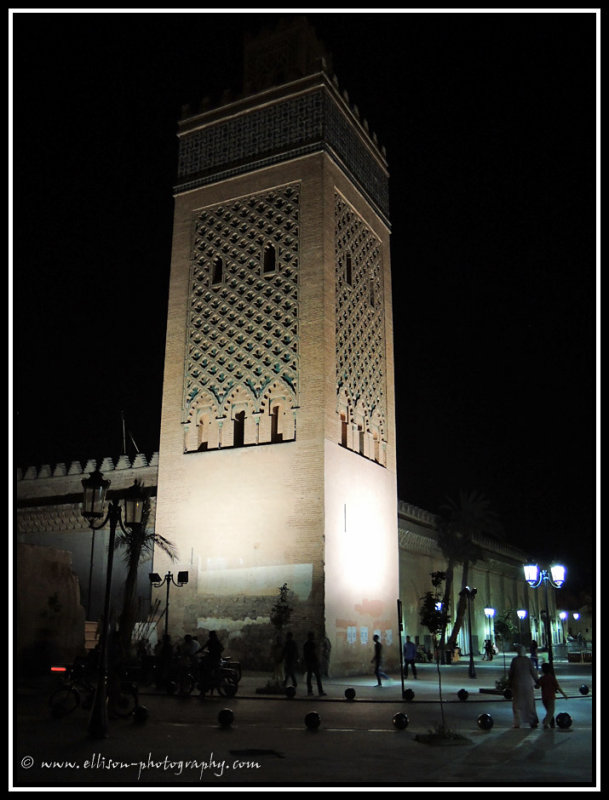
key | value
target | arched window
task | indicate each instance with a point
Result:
(276, 435)
(239, 429)
(268, 260)
(203, 431)
(343, 430)
(217, 270)
(361, 435)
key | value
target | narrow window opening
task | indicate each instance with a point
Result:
(348, 270)
(217, 270)
(268, 261)
(371, 293)
(343, 430)
(239, 429)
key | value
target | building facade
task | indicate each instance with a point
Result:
(277, 452)
(51, 529)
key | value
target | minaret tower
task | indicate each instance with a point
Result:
(277, 456)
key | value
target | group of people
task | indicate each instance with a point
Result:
(189, 655)
(310, 661)
(524, 678)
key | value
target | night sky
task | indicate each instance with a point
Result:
(489, 121)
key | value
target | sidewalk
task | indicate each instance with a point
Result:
(454, 677)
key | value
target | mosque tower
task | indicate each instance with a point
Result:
(277, 460)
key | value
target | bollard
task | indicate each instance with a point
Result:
(485, 722)
(226, 717)
(400, 721)
(312, 720)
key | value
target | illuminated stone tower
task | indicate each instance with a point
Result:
(277, 455)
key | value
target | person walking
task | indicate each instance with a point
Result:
(311, 662)
(377, 659)
(522, 681)
(290, 659)
(410, 654)
(488, 650)
(549, 686)
(211, 659)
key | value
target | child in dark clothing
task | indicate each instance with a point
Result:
(549, 686)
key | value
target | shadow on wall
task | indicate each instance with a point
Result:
(50, 621)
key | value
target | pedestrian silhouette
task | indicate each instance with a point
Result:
(311, 663)
(410, 654)
(377, 658)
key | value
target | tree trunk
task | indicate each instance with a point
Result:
(448, 586)
(129, 611)
(461, 609)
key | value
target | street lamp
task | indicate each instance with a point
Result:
(522, 614)
(556, 577)
(94, 496)
(563, 616)
(470, 594)
(489, 613)
(157, 582)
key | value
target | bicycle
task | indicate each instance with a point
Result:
(78, 691)
(225, 678)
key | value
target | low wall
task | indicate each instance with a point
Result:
(50, 621)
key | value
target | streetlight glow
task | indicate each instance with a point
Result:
(555, 576)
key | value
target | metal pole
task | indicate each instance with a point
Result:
(548, 626)
(90, 573)
(400, 626)
(472, 669)
(98, 722)
(167, 579)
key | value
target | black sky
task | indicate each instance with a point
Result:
(489, 121)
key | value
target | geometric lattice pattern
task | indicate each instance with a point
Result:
(281, 131)
(242, 332)
(360, 330)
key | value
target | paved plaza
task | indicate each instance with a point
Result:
(357, 743)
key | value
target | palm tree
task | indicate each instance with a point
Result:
(459, 523)
(138, 543)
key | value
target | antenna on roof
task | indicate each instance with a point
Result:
(137, 450)
(124, 443)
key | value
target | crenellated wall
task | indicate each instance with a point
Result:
(48, 515)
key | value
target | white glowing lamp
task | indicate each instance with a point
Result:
(531, 574)
(559, 574)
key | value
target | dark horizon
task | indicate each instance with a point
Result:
(489, 122)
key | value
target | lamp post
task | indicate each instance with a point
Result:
(489, 613)
(470, 593)
(563, 616)
(522, 614)
(94, 496)
(556, 577)
(157, 581)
